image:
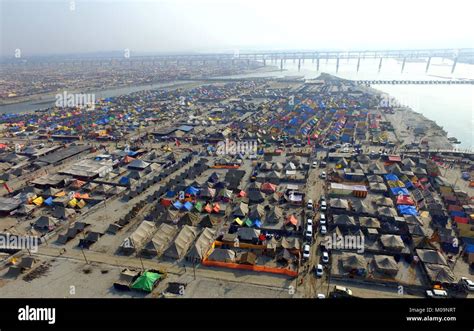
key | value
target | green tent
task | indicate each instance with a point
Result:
(146, 281)
(198, 206)
(248, 222)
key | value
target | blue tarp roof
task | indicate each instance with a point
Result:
(124, 181)
(407, 210)
(399, 190)
(49, 201)
(177, 205)
(188, 206)
(170, 194)
(391, 177)
(191, 190)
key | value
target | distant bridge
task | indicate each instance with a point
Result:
(424, 55)
(414, 82)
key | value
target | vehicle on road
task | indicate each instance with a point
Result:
(323, 175)
(309, 221)
(323, 229)
(467, 284)
(309, 232)
(309, 205)
(321, 296)
(323, 206)
(314, 165)
(342, 290)
(436, 294)
(325, 257)
(306, 251)
(319, 270)
(322, 219)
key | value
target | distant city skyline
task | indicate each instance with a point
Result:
(56, 27)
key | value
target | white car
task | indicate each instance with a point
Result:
(319, 270)
(315, 164)
(309, 221)
(309, 232)
(467, 283)
(309, 205)
(321, 296)
(438, 294)
(323, 206)
(322, 219)
(323, 175)
(306, 249)
(325, 257)
(323, 229)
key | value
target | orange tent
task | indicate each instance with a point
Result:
(128, 159)
(216, 208)
(77, 183)
(208, 208)
(292, 219)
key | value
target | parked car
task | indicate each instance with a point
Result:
(306, 250)
(315, 164)
(309, 205)
(467, 283)
(322, 164)
(309, 221)
(323, 229)
(322, 219)
(309, 232)
(436, 294)
(319, 270)
(321, 296)
(323, 175)
(323, 206)
(341, 290)
(325, 257)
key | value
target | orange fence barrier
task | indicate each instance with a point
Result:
(225, 167)
(259, 268)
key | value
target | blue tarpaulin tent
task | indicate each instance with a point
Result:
(124, 181)
(49, 201)
(178, 205)
(391, 177)
(188, 206)
(170, 194)
(407, 210)
(191, 190)
(399, 190)
(257, 223)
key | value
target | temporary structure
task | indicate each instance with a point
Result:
(182, 242)
(392, 242)
(147, 281)
(385, 264)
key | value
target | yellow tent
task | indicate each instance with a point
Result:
(38, 201)
(72, 203)
(60, 194)
(238, 221)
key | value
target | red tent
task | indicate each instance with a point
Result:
(268, 187)
(405, 200)
(463, 220)
(166, 202)
(128, 159)
(241, 194)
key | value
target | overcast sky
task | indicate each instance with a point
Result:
(51, 27)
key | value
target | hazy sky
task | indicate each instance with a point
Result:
(51, 27)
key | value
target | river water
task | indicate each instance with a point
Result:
(451, 106)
